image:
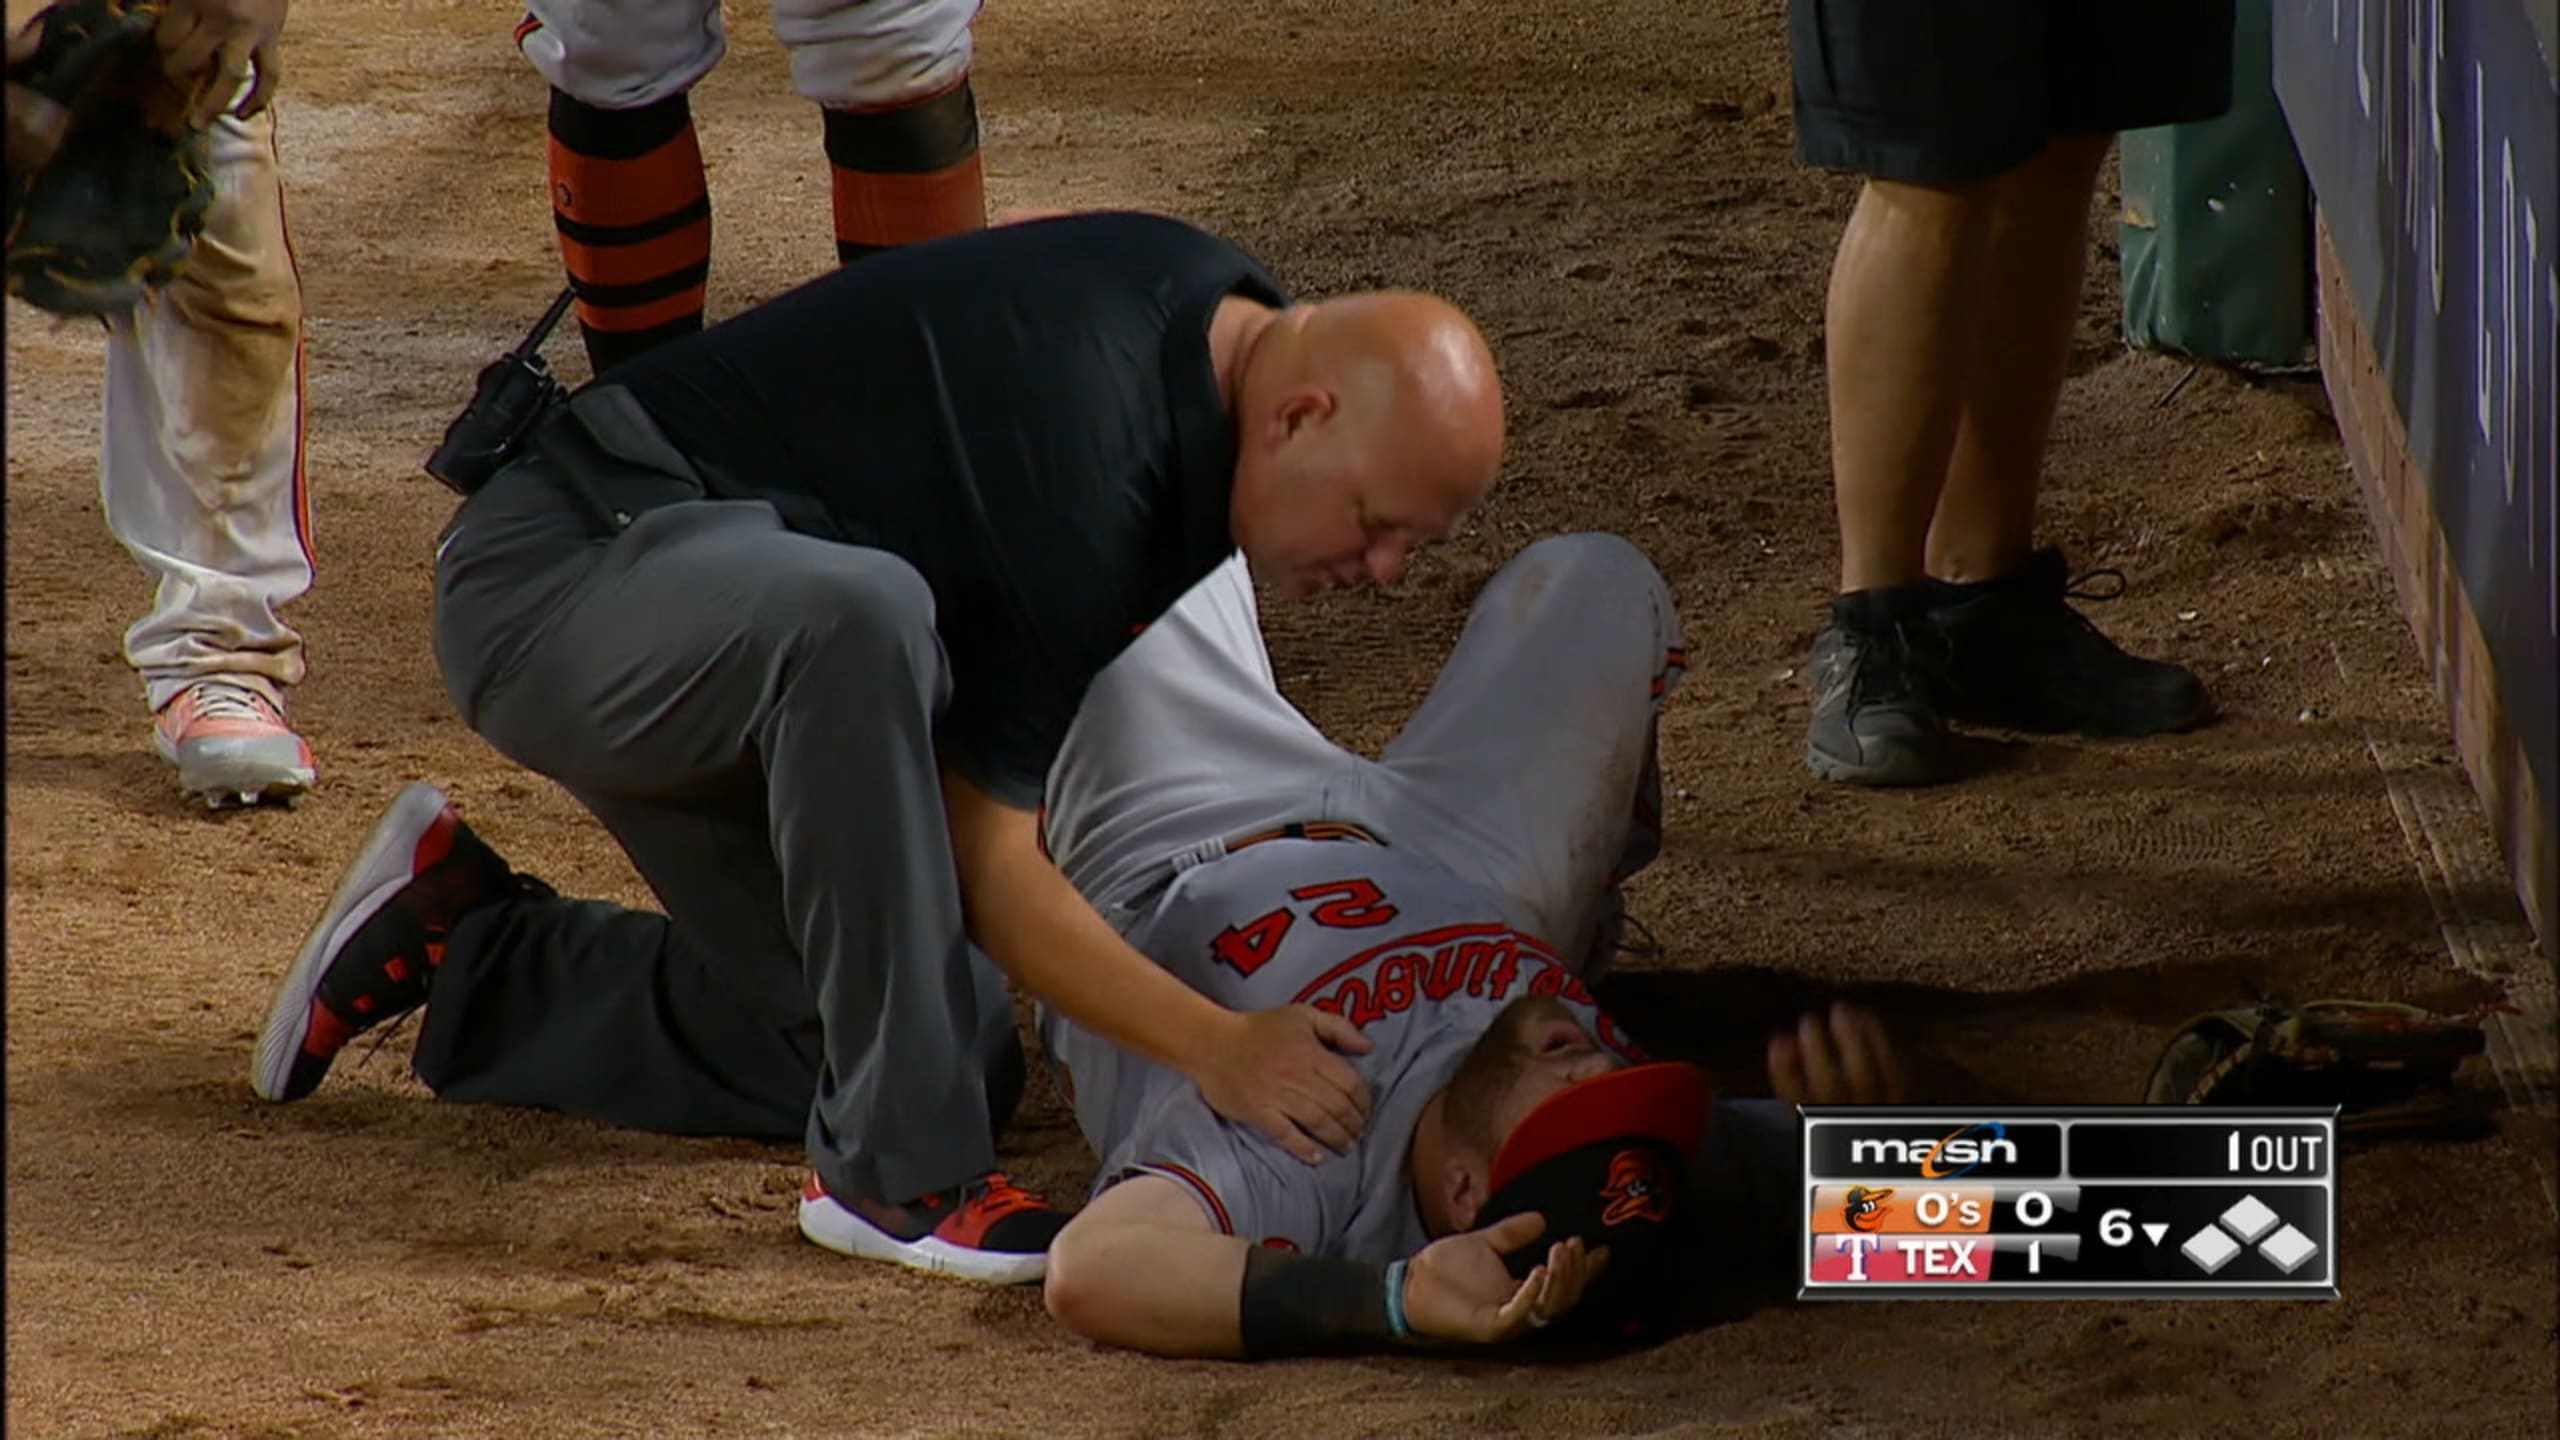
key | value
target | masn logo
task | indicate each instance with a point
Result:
(1945, 1158)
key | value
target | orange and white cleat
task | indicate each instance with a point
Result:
(231, 745)
(990, 1230)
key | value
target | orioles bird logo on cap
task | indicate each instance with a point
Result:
(1634, 1190)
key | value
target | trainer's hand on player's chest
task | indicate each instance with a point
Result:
(1277, 1071)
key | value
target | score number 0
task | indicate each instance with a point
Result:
(2033, 1208)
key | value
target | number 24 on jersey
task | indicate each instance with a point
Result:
(1335, 905)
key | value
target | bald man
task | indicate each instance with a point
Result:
(801, 608)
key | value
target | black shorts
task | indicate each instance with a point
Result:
(1939, 92)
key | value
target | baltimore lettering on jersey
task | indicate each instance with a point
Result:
(1483, 961)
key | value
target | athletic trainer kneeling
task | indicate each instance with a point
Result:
(800, 608)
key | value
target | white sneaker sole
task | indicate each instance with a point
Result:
(829, 1224)
(380, 869)
(239, 771)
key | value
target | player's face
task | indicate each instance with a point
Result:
(1555, 1052)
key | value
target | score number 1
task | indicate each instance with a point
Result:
(2043, 1206)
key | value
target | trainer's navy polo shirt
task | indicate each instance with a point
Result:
(1027, 414)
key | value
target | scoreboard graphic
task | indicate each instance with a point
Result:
(2069, 1202)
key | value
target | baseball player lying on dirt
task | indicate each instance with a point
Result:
(1451, 900)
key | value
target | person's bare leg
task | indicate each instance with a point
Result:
(2015, 653)
(1904, 315)
(1902, 320)
(2037, 247)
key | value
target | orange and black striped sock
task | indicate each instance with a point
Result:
(906, 174)
(634, 214)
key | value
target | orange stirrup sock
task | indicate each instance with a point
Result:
(634, 215)
(906, 174)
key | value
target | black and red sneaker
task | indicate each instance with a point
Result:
(376, 947)
(989, 1230)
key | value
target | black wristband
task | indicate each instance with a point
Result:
(1309, 1305)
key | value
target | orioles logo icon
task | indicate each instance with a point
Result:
(1866, 1208)
(1634, 1191)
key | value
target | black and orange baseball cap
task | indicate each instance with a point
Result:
(1609, 1160)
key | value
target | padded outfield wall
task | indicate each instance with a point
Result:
(2427, 129)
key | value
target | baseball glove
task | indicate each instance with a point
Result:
(116, 210)
(2389, 1068)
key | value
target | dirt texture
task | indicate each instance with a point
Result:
(1610, 186)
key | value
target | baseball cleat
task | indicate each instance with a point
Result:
(376, 947)
(231, 745)
(990, 1230)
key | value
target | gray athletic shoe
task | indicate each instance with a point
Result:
(231, 745)
(1875, 711)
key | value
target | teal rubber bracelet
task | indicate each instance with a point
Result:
(1395, 1301)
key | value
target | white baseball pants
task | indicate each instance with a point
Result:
(201, 468)
(847, 54)
(1514, 772)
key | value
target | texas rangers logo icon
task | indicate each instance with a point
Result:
(1634, 1190)
(1866, 1208)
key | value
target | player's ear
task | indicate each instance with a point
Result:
(1462, 1192)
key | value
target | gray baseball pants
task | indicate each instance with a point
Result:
(750, 712)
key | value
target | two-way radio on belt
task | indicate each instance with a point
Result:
(515, 392)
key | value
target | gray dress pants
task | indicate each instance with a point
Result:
(750, 712)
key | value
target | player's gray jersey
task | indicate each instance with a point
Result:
(1417, 958)
(1514, 799)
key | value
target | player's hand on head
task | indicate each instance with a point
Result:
(1835, 1057)
(1278, 1072)
(1460, 1288)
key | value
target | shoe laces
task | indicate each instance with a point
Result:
(383, 1036)
(1894, 666)
(2089, 586)
(2083, 585)
(998, 1196)
(2044, 594)
(226, 700)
